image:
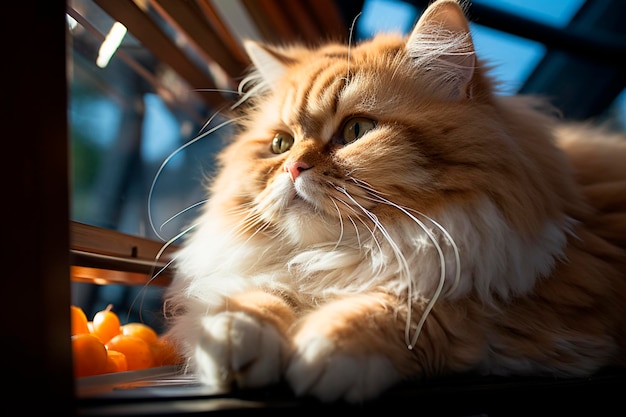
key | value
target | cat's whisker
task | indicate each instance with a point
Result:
(176, 152)
(404, 266)
(351, 208)
(217, 90)
(352, 171)
(442, 263)
(356, 228)
(377, 197)
(162, 269)
(340, 238)
(257, 86)
(183, 211)
(455, 248)
(366, 186)
(153, 275)
(350, 37)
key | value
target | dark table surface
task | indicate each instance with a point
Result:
(164, 392)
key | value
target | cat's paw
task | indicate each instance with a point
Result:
(319, 368)
(236, 348)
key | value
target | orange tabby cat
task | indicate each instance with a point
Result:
(383, 215)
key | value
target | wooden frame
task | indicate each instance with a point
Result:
(36, 349)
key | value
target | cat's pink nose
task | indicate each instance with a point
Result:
(295, 168)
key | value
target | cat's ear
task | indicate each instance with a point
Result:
(441, 42)
(270, 63)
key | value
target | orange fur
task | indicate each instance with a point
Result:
(461, 231)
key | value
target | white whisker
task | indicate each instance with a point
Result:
(199, 203)
(343, 191)
(169, 158)
(455, 248)
(399, 256)
(377, 197)
(356, 230)
(154, 274)
(339, 239)
(350, 44)
(217, 90)
(364, 185)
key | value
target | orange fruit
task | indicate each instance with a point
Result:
(89, 355)
(79, 320)
(116, 361)
(106, 324)
(137, 351)
(165, 353)
(140, 330)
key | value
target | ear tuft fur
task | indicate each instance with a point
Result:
(269, 63)
(441, 42)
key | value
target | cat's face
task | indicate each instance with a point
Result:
(342, 138)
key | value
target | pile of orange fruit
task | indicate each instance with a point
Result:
(104, 345)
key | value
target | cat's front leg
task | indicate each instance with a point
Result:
(354, 348)
(350, 349)
(245, 344)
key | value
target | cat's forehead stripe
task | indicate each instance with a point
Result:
(317, 100)
(297, 98)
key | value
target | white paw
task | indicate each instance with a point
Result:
(320, 369)
(236, 348)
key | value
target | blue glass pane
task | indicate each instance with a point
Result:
(385, 16)
(511, 58)
(557, 13)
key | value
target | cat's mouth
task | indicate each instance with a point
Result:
(308, 195)
(305, 193)
(284, 195)
(328, 198)
(302, 194)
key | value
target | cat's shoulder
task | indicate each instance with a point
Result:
(597, 152)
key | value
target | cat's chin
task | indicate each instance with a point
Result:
(300, 202)
(304, 225)
(305, 191)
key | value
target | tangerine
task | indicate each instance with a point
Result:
(106, 324)
(137, 351)
(116, 361)
(140, 330)
(79, 320)
(89, 355)
(165, 353)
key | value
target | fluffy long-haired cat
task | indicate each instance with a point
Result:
(383, 215)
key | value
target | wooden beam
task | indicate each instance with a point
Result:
(229, 38)
(272, 20)
(107, 256)
(154, 39)
(189, 19)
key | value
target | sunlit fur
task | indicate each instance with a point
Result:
(455, 236)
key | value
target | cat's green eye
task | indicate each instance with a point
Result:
(282, 142)
(355, 128)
